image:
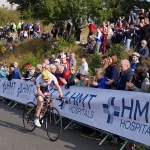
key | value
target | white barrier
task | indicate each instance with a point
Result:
(126, 114)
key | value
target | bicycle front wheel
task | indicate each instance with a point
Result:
(28, 116)
(53, 124)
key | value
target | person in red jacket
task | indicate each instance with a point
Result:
(92, 28)
(63, 75)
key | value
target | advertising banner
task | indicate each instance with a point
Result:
(124, 113)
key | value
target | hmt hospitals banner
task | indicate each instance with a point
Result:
(124, 113)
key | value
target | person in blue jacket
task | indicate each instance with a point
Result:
(101, 79)
(13, 73)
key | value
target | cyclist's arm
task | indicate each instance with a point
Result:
(39, 92)
(59, 89)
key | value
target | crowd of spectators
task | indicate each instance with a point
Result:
(127, 31)
(132, 76)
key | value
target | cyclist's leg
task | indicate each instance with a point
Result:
(39, 105)
(38, 110)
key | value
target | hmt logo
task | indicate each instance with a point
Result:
(133, 114)
(111, 110)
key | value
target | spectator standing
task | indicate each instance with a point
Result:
(98, 39)
(73, 61)
(142, 14)
(69, 27)
(129, 31)
(140, 81)
(126, 75)
(78, 30)
(145, 30)
(54, 31)
(19, 28)
(92, 28)
(84, 65)
(52, 59)
(104, 31)
(132, 18)
(68, 57)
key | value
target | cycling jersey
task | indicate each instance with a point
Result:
(40, 82)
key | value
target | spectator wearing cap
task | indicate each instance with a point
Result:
(144, 51)
(84, 65)
(54, 70)
(56, 62)
(63, 74)
(13, 73)
(27, 66)
(73, 61)
(64, 61)
(53, 57)
(135, 60)
(83, 75)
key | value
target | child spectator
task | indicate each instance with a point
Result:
(101, 79)
(91, 80)
(86, 81)
(80, 82)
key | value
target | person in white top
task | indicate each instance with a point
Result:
(43, 81)
(84, 65)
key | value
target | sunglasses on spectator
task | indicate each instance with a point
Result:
(71, 69)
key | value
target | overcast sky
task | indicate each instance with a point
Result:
(4, 2)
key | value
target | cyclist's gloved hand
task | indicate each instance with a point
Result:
(63, 99)
(45, 98)
(67, 86)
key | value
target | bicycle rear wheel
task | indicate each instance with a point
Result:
(28, 116)
(53, 124)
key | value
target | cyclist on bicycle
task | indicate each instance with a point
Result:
(42, 85)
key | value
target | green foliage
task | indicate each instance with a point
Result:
(70, 40)
(29, 59)
(8, 15)
(93, 62)
(118, 50)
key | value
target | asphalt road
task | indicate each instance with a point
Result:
(14, 137)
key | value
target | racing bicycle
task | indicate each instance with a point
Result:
(51, 118)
